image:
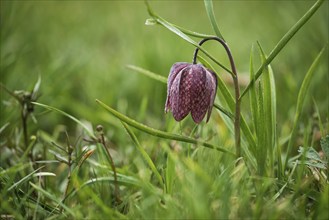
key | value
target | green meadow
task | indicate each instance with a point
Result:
(84, 135)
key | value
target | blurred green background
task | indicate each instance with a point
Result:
(81, 49)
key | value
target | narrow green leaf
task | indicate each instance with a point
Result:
(158, 133)
(261, 150)
(148, 73)
(300, 101)
(122, 180)
(192, 33)
(253, 94)
(146, 157)
(284, 40)
(39, 174)
(90, 133)
(277, 195)
(24, 179)
(4, 127)
(28, 149)
(170, 174)
(269, 108)
(36, 88)
(211, 15)
(13, 169)
(53, 198)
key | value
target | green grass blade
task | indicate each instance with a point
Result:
(253, 94)
(148, 73)
(158, 133)
(122, 180)
(153, 21)
(191, 33)
(53, 198)
(146, 157)
(269, 108)
(170, 174)
(36, 88)
(24, 179)
(211, 15)
(90, 133)
(300, 101)
(261, 150)
(33, 140)
(284, 40)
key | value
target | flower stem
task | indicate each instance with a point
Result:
(116, 186)
(236, 87)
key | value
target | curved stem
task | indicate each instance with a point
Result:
(236, 86)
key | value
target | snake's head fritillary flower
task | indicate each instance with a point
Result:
(191, 88)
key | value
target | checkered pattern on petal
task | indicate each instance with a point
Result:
(180, 94)
(175, 69)
(191, 88)
(211, 86)
(199, 93)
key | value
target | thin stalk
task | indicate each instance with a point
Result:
(69, 164)
(24, 124)
(116, 187)
(24, 115)
(236, 87)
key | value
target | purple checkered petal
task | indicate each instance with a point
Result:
(199, 94)
(191, 88)
(175, 69)
(180, 94)
(211, 86)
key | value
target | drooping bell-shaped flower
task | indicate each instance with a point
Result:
(191, 88)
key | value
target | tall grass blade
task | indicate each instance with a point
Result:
(170, 174)
(253, 94)
(90, 133)
(211, 15)
(284, 40)
(148, 73)
(261, 150)
(145, 156)
(270, 109)
(300, 101)
(158, 133)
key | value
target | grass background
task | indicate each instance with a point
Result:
(81, 49)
